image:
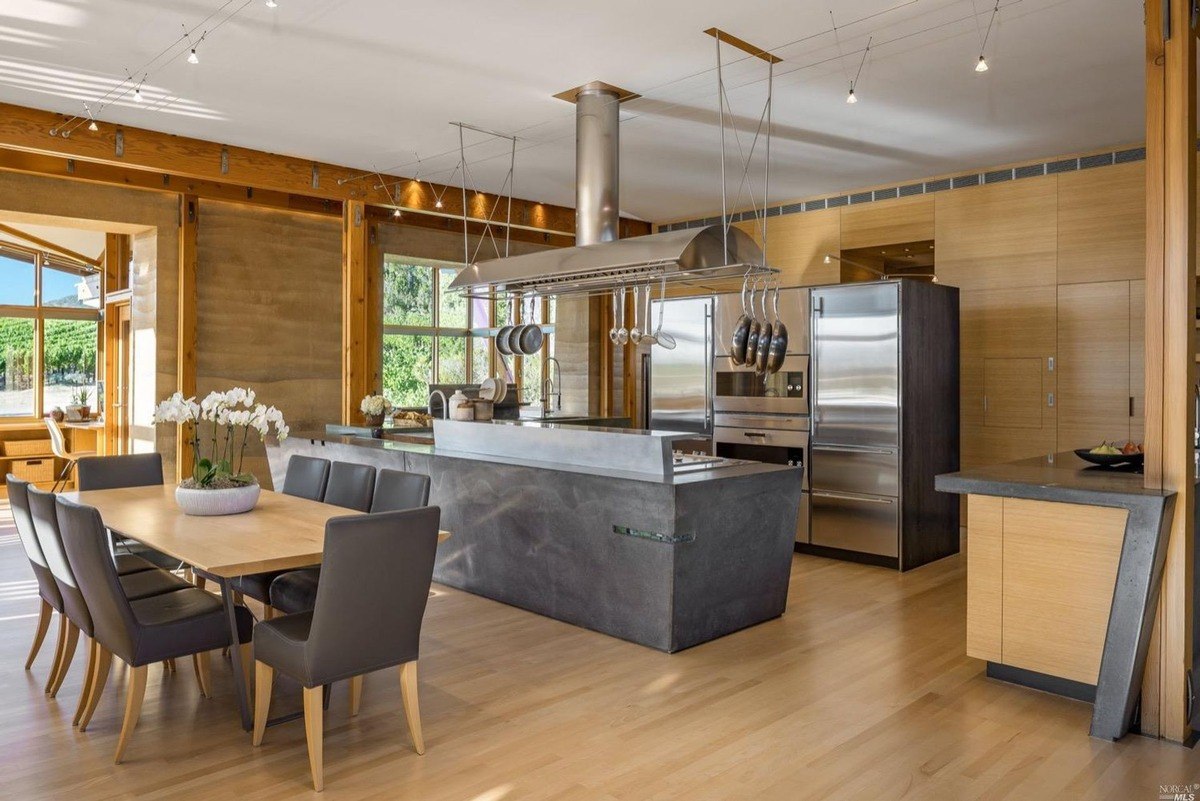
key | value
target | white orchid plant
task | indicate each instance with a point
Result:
(230, 411)
(375, 405)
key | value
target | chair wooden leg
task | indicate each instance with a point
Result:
(88, 677)
(67, 655)
(99, 679)
(200, 662)
(268, 612)
(355, 694)
(134, 694)
(169, 665)
(412, 709)
(58, 652)
(190, 577)
(264, 680)
(44, 615)
(314, 724)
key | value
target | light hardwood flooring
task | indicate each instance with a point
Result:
(861, 691)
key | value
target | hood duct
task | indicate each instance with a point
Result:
(601, 261)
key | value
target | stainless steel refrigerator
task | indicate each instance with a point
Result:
(679, 382)
(884, 422)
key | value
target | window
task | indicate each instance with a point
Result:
(49, 332)
(432, 335)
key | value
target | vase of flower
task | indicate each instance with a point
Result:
(374, 408)
(218, 485)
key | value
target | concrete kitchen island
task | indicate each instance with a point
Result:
(667, 561)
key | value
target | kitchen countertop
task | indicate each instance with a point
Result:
(1063, 477)
(413, 446)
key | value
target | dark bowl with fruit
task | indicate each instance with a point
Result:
(1111, 455)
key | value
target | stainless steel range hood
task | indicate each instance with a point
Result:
(600, 261)
(690, 254)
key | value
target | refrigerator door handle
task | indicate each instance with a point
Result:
(850, 496)
(852, 448)
(709, 355)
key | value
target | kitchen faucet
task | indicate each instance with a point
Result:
(551, 390)
(445, 404)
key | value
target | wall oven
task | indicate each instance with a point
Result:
(740, 389)
(774, 439)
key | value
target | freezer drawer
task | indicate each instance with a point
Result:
(852, 522)
(860, 469)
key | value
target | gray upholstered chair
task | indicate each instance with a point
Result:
(51, 598)
(138, 585)
(117, 472)
(306, 477)
(395, 490)
(376, 575)
(162, 627)
(350, 485)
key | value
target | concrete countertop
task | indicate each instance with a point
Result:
(1061, 477)
(412, 445)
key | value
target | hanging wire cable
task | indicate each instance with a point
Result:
(982, 65)
(852, 98)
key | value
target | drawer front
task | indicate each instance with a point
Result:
(861, 523)
(855, 469)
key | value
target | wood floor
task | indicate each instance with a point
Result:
(861, 691)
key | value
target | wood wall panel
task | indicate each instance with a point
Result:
(998, 236)
(1060, 567)
(985, 577)
(1093, 364)
(888, 222)
(269, 312)
(1101, 224)
(1137, 358)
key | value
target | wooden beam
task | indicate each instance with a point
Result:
(47, 245)
(743, 45)
(355, 361)
(185, 362)
(27, 130)
(1170, 348)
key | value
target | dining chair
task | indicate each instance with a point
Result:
(58, 446)
(306, 477)
(50, 598)
(395, 490)
(350, 485)
(187, 622)
(119, 472)
(142, 584)
(377, 571)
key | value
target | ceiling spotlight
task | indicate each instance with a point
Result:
(92, 126)
(137, 95)
(272, 4)
(828, 259)
(851, 98)
(982, 65)
(192, 57)
(396, 213)
(438, 204)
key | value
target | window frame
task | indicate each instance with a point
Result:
(488, 331)
(40, 314)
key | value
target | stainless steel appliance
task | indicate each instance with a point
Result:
(679, 385)
(884, 420)
(771, 438)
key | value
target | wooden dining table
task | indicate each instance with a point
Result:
(282, 532)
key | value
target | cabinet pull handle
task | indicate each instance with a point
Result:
(1131, 406)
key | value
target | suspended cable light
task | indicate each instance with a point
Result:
(192, 57)
(272, 4)
(851, 97)
(982, 65)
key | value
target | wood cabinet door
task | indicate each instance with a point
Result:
(1093, 364)
(1137, 359)
(1013, 395)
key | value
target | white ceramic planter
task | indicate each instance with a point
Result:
(211, 502)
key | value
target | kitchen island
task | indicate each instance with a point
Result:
(576, 523)
(1064, 565)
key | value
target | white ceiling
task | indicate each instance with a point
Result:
(368, 83)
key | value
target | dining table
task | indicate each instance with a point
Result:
(282, 532)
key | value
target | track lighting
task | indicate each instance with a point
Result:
(982, 65)
(137, 95)
(192, 57)
(396, 214)
(851, 98)
(437, 204)
(272, 4)
(92, 126)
